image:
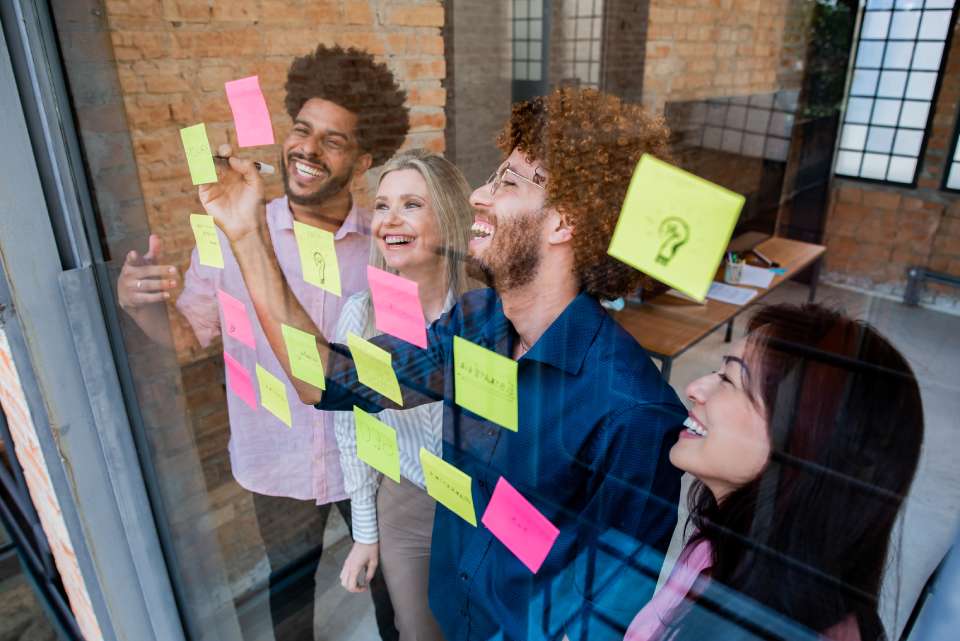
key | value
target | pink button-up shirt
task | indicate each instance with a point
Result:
(266, 456)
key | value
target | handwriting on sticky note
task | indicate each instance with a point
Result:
(674, 226)
(377, 444)
(519, 525)
(273, 395)
(318, 258)
(449, 486)
(396, 304)
(250, 114)
(374, 368)
(236, 322)
(199, 157)
(304, 358)
(485, 383)
(208, 242)
(239, 381)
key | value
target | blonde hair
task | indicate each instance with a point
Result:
(449, 195)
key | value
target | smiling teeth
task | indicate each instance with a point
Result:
(694, 427)
(481, 229)
(307, 169)
(397, 240)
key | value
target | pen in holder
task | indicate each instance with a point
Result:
(733, 269)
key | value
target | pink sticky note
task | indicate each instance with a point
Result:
(240, 381)
(250, 114)
(519, 526)
(396, 304)
(236, 323)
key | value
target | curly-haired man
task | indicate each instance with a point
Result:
(348, 115)
(595, 420)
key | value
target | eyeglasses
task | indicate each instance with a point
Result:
(496, 178)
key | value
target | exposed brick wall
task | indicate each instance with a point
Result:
(30, 457)
(705, 48)
(875, 232)
(174, 56)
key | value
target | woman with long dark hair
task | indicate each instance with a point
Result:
(804, 445)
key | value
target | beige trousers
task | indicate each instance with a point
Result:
(405, 516)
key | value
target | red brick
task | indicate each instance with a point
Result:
(881, 199)
(415, 16)
(420, 121)
(357, 12)
(425, 69)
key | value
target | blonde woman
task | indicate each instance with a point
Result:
(420, 229)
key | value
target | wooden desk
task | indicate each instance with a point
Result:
(668, 326)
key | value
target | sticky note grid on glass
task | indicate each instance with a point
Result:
(675, 226)
(485, 383)
(318, 257)
(377, 444)
(208, 242)
(199, 157)
(451, 487)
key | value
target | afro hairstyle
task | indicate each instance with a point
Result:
(589, 142)
(351, 79)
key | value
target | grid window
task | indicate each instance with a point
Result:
(758, 125)
(527, 39)
(582, 32)
(898, 58)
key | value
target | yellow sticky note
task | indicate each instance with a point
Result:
(305, 361)
(449, 486)
(199, 156)
(374, 368)
(318, 258)
(485, 383)
(208, 243)
(377, 444)
(675, 226)
(273, 395)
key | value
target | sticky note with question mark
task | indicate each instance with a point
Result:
(674, 226)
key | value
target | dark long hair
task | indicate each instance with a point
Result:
(807, 540)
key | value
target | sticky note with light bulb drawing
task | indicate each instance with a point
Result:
(674, 226)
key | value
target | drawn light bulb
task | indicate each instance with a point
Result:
(675, 233)
(321, 265)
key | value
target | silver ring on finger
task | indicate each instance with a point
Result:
(139, 283)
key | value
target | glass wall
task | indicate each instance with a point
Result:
(537, 478)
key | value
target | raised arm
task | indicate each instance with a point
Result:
(237, 205)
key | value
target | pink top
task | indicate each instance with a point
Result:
(648, 624)
(302, 462)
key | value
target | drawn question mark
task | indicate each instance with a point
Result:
(675, 233)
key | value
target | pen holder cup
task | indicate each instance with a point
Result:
(732, 272)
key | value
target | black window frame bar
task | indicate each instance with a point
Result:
(950, 162)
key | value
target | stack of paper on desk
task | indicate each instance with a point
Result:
(756, 276)
(730, 294)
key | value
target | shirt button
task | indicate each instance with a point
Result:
(491, 432)
(464, 576)
(482, 484)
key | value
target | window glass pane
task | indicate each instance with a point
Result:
(879, 4)
(880, 139)
(897, 55)
(858, 110)
(953, 180)
(848, 163)
(854, 136)
(902, 169)
(874, 166)
(536, 72)
(757, 120)
(904, 25)
(935, 25)
(521, 8)
(909, 4)
(914, 114)
(927, 55)
(870, 54)
(921, 85)
(736, 117)
(864, 82)
(536, 29)
(885, 112)
(892, 84)
(875, 24)
(753, 145)
(908, 142)
(536, 8)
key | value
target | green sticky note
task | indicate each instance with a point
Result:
(304, 358)
(375, 368)
(318, 258)
(199, 156)
(485, 383)
(675, 226)
(449, 486)
(377, 444)
(273, 395)
(208, 243)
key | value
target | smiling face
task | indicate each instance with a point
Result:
(405, 224)
(726, 442)
(320, 155)
(508, 232)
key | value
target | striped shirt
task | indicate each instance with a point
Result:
(417, 427)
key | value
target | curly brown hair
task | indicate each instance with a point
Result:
(589, 142)
(350, 78)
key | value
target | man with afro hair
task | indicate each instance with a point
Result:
(595, 421)
(348, 115)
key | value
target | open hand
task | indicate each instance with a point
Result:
(142, 281)
(236, 200)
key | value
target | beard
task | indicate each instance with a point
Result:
(513, 257)
(326, 190)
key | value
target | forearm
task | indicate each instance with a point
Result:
(153, 321)
(275, 304)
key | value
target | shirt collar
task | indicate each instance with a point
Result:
(356, 222)
(565, 343)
